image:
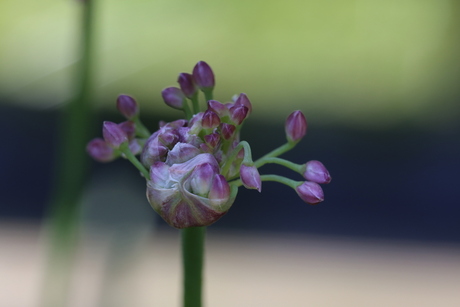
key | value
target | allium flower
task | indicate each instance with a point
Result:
(194, 166)
(189, 194)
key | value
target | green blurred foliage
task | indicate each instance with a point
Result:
(354, 61)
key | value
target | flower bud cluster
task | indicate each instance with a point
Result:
(194, 166)
(115, 136)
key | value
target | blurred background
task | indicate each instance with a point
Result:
(378, 82)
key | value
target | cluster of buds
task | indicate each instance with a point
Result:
(194, 166)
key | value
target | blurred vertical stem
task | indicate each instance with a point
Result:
(71, 169)
(192, 261)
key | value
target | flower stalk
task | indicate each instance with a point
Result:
(193, 261)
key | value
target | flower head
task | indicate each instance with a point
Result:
(194, 166)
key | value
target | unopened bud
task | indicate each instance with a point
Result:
(173, 97)
(203, 76)
(212, 140)
(127, 106)
(100, 151)
(244, 100)
(129, 128)
(315, 171)
(238, 112)
(296, 126)
(187, 85)
(210, 120)
(113, 134)
(310, 192)
(250, 177)
(227, 130)
(218, 107)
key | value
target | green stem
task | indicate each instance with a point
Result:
(274, 153)
(186, 109)
(247, 157)
(208, 94)
(141, 130)
(195, 103)
(192, 260)
(289, 182)
(131, 158)
(71, 171)
(293, 166)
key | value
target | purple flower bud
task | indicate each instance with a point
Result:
(238, 112)
(201, 179)
(220, 108)
(296, 126)
(113, 134)
(187, 85)
(173, 97)
(220, 190)
(310, 192)
(127, 106)
(203, 75)
(315, 171)
(244, 100)
(250, 177)
(129, 128)
(210, 120)
(227, 130)
(212, 140)
(100, 151)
